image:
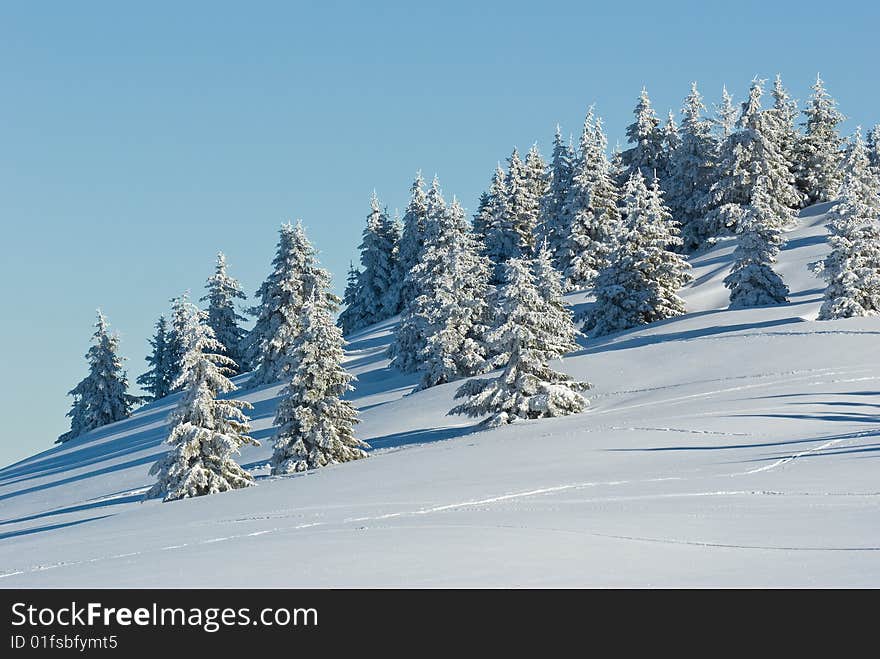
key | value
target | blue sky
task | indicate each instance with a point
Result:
(138, 140)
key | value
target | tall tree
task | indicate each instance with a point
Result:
(380, 275)
(206, 431)
(691, 171)
(555, 221)
(501, 241)
(783, 114)
(592, 207)
(223, 318)
(820, 150)
(646, 137)
(102, 396)
(532, 331)
(852, 268)
(524, 188)
(747, 155)
(157, 380)
(752, 280)
(641, 281)
(412, 237)
(352, 317)
(671, 142)
(725, 116)
(315, 426)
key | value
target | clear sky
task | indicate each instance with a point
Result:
(138, 139)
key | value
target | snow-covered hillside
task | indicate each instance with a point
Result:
(723, 448)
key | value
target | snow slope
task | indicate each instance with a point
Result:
(723, 448)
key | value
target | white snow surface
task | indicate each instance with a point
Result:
(722, 448)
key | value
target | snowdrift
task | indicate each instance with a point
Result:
(722, 448)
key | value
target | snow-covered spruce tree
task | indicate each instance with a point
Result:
(852, 268)
(206, 431)
(411, 237)
(555, 223)
(454, 307)
(409, 339)
(783, 114)
(592, 207)
(157, 380)
(531, 333)
(646, 136)
(820, 150)
(102, 396)
(537, 176)
(523, 206)
(873, 146)
(725, 116)
(691, 171)
(752, 280)
(640, 284)
(315, 426)
(501, 240)
(281, 296)
(223, 290)
(174, 346)
(671, 141)
(352, 317)
(747, 155)
(380, 276)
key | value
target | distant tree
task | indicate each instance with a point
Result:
(380, 279)
(412, 237)
(646, 136)
(725, 116)
(500, 240)
(531, 332)
(206, 431)
(555, 221)
(223, 318)
(782, 115)
(352, 317)
(102, 396)
(157, 380)
(873, 147)
(671, 142)
(852, 268)
(752, 280)
(820, 150)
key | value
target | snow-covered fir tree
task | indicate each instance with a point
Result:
(746, 155)
(223, 318)
(641, 281)
(380, 280)
(752, 280)
(524, 190)
(294, 274)
(873, 146)
(412, 237)
(820, 150)
(555, 224)
(691, 171)
(537, 177)
(725, 116)
(592, 207)
(454, 306)
(671, 141)
(102, 396)
(852, 268)
(532, 331)
(500, 240)
(157, 380)
(784, 113)
(206, 431)
(352, 317)
(174, 345)
(315, 426)
(646, 137)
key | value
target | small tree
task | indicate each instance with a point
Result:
(852, 268)
(532, 331)
(315, 426)
(206, 431)
(752, 280)
(223, 318)
(157, 380)
(102, 396)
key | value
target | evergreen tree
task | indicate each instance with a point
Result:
(852, 268)
(174, 345)
(646, 136)
(747, 155)
(295, 273)
(157, 380)
(691, 171)
(640, 284)
(537, 180)
(531, 332)
(671, 143)
(783, 114)
(592, 207)
(501, 240)
(102, 396)
(412, 237)
(454, 309)
(555, 221)
(524, 189)
(820, 150)
(752, 281)
(352, 317)
(725, 116)
(380, 275)
(873, 147)
(315, 426)
(223, 290)
(206, 431)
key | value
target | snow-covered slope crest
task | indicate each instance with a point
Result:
(731, 448)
